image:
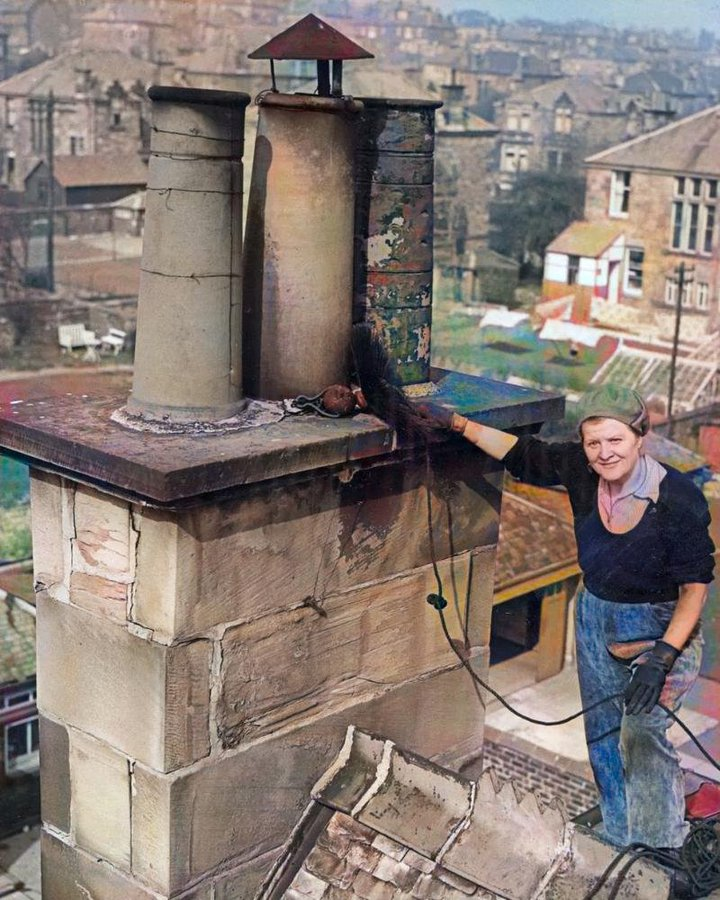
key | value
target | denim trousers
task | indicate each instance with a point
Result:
(636, 768)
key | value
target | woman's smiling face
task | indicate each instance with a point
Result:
(612, 448)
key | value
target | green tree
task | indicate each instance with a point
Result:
(536, 210)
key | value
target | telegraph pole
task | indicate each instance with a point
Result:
(50, 147)
(682, 277)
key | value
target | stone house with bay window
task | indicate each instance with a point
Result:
(651, 204)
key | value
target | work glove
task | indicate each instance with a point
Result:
(648, 679)
(436, 415)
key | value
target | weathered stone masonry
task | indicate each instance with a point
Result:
(198, 666)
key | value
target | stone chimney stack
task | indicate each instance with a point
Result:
(454, 99)
(215, 609)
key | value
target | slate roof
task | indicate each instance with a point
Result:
(100, 169)
(499, 62)
(60, 75)
(653, 80)
(536, 536)
(588, 239)
(384, 823)
(690, 145)
(585, 93)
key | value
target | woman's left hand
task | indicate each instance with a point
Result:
(648, 679)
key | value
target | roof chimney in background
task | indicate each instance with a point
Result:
(298, 255)
(188, 347)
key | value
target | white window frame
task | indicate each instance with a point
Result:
(24, 758)
(8, 700)
(629, 288)
(687, 295)
(702, 295)
(695, 217)
(671, 289)
(620, 187)
(709, 225)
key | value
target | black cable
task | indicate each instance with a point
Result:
(698, 860)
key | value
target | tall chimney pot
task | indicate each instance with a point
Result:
(188, 352)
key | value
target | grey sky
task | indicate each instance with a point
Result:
(669, 14)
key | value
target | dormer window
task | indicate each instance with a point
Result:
(563, 120)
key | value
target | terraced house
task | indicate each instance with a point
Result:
(651, 204)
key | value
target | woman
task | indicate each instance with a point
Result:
(646, 557)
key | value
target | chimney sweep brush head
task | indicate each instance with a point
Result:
(378, 381)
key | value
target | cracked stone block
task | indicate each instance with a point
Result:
(99, 595)
(285, 667)
(70, 874)
(149, 701)
(100, 799)
(103, 544)
(275, 540)
(188, 823)
(309, 539)
(48, 540)
(481, 589)
(55, 774)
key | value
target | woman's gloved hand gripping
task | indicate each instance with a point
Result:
(648, 679)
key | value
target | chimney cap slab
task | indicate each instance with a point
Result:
(75, 436)
(310, 38)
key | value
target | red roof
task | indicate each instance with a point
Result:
(310, 38)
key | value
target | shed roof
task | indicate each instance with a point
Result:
(690, 145)
(589, 239)
(99, 170)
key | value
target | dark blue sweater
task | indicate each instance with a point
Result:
(670, 545)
